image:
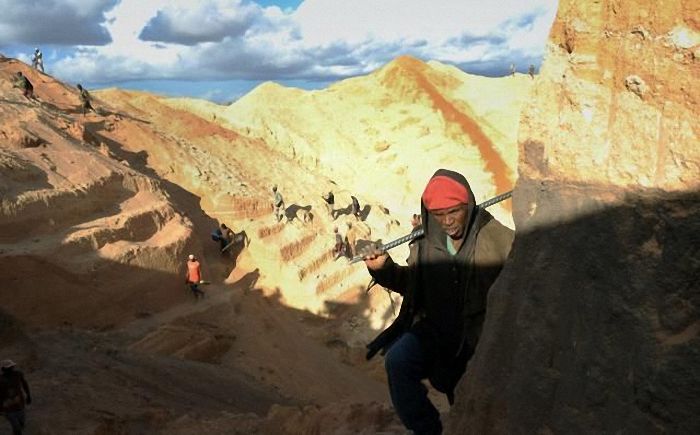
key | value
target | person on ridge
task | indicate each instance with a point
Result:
(14, 396)
(38, 60)
(444, 287)
(193, 277)
(85, 99)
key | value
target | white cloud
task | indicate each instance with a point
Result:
(322, 39)
(189, 23)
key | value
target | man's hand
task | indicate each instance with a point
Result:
(374, 258)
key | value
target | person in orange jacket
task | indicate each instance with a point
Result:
(194, 276)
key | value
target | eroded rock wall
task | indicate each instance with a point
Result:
(594, 324)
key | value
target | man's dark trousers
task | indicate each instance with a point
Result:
(406, 365)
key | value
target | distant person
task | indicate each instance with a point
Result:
(531, 71)
(329, 199)
(85, 99)
(24, 85)
(38, 60)
(194, 276)
(278, 204)
(355, 207)
(351, 237)
(512, 69)
(223, 235)
(14, 396)
(339, 247)
(415, 221)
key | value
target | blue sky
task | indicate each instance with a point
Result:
(221, 49)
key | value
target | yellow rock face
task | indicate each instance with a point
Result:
(617, 99)
(383, 135)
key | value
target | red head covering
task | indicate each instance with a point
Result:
(444, 192)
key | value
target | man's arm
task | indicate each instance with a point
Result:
(388, 274)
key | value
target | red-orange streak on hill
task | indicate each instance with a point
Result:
(494, 163)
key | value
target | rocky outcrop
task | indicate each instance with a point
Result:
(594, 324)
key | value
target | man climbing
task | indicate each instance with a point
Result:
(329, 199)
(278, 204)
(38, 60)
(85, 99)
(193, 277)
(24, 85)
(444, 287)
(14, 396)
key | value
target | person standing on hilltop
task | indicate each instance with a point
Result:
(38, 60)
(24, 85)
(193, 277)
(14, 396)
(278, 203)
(85, 99)
(444, 286)
(531, 71)
(512, 69)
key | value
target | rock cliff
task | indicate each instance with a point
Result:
(594, 324)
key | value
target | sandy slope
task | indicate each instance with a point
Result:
(371, 134)
(99, 211)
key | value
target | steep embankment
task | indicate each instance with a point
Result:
(233, 174)
(593, 326)
(92, 249)
(371, 134)
(85, 239)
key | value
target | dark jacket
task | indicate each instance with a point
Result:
(445, 296)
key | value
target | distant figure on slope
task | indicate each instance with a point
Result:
(351, 237)
(329, 199)
(14, 396)
(193, 277)
(339, 248)
(24, 85)
(512, 69)
(416, 222)
(531, 71)
(278, 204)
(85, 99)
(355, 207)
(223, 235)
(38, 60)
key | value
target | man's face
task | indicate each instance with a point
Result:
(452, 220)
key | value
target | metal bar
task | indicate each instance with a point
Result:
(419, 232)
